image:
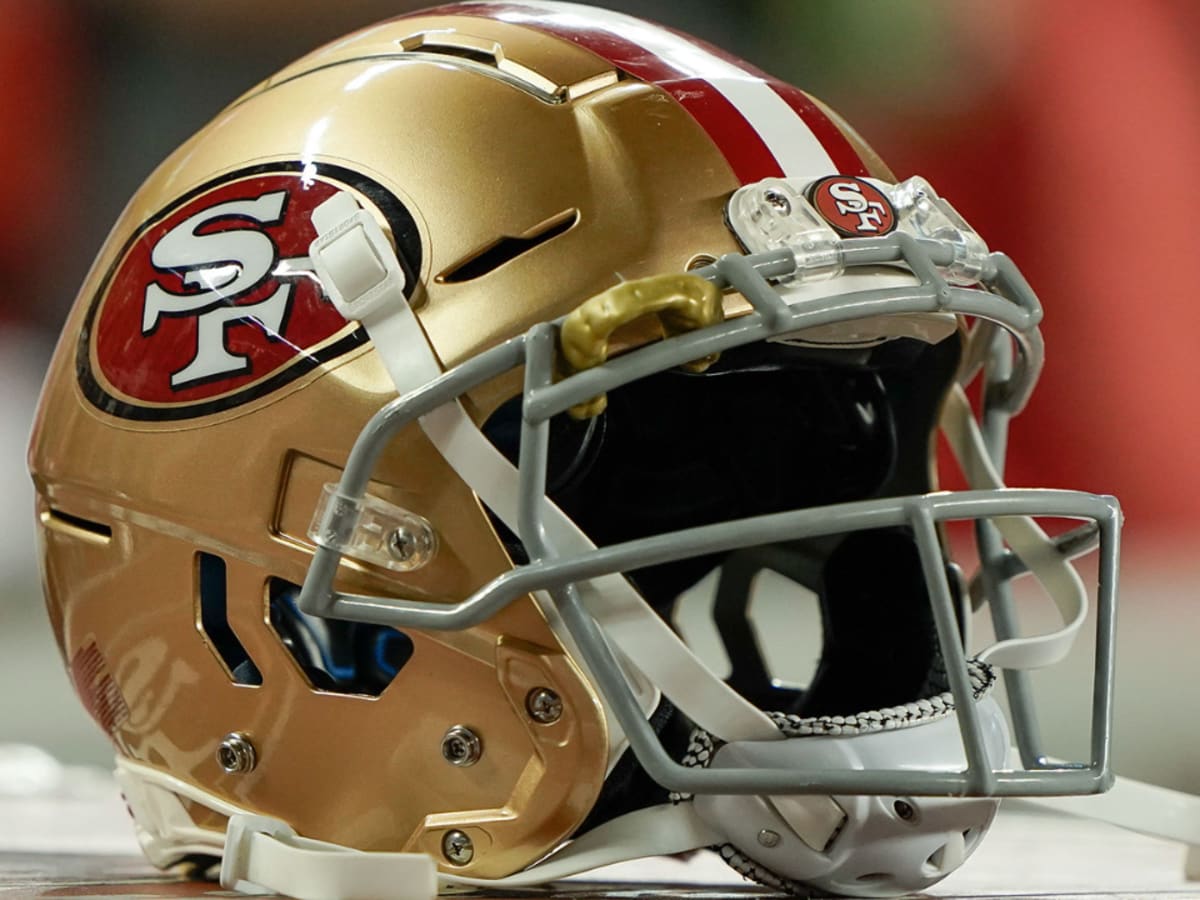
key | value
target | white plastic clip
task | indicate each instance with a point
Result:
(235, 861)
(354, 260)
(265, 856)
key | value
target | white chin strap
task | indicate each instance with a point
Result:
(266, 856)
(360, 273)
(362, 277)
(1028, 541)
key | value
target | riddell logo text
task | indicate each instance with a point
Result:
(214, 301)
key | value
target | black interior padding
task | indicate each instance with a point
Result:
(628, 787)
(770, 428)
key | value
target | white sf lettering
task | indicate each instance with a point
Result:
(851, 202)
(224, 265)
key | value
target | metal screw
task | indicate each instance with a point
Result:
(461, 746)
(777, 201)
(236, 755)
(457, 847)
(905, 810)
(544, 705)
(769, 838)
(402, 544)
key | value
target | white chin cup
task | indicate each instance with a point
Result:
(888, 845)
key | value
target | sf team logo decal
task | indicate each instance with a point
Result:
(214, 302)
(854, 207)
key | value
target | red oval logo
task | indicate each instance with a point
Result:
(854, 207)
(214, 301)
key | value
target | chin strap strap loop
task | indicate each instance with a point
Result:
(264, 855)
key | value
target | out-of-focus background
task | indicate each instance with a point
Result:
(1066, 133)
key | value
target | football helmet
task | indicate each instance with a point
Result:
(412, 458)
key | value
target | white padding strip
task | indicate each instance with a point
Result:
(1026, 538)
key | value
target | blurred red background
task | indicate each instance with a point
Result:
(1066, 136)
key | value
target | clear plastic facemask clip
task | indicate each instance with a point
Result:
(775, 214)
(923, 214)
(373, 531)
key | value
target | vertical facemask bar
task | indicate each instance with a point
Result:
(997, 369)
(1106, 642)
(996, 574)
(980, 775)
(535, 443)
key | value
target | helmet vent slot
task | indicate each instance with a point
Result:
(486, 56)
(213, 602)
(508, 248)
(76, 525)
(336, 656)
(474, 54)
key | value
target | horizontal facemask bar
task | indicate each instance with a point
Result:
(1013, 306)
(560, 577)
(1010, 303)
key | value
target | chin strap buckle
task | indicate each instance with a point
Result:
(354, 259)
(265, 856)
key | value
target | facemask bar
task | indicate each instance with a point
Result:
(1011, 304)
(996, 570)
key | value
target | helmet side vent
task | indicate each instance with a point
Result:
(336, 656)
(487, 56)
(76, 526)
(508, 248)
(212, 619)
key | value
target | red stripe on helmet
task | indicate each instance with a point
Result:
(840, 150)
(735, 137)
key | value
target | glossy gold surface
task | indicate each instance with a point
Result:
(478, 146)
